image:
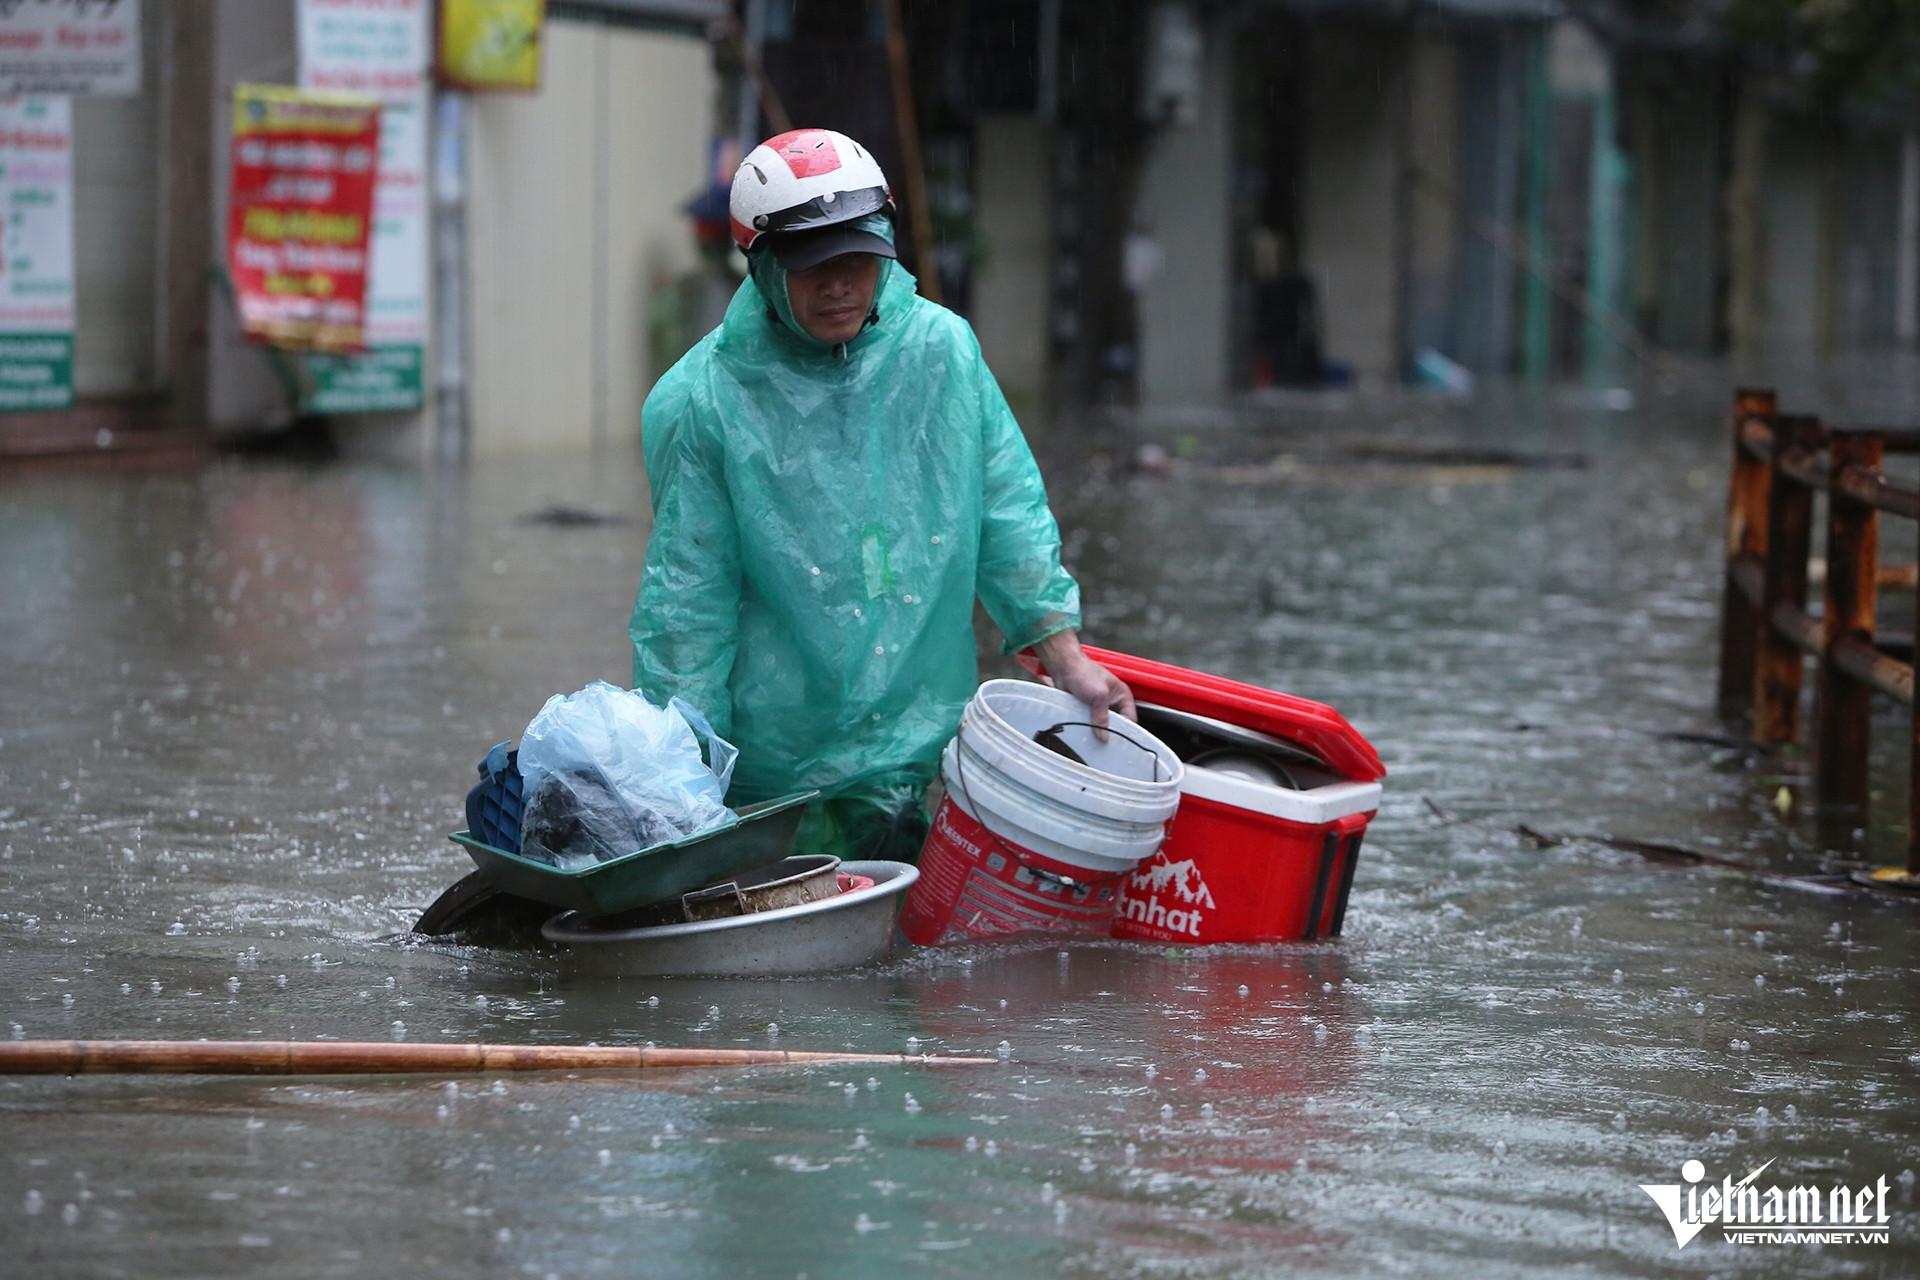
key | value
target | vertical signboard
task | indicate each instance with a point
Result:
(90, 48)
(300, 214)
(487, 45)
(380, 49)
(36, 254)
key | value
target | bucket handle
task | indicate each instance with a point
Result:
(1038, 873)
(1054, 731)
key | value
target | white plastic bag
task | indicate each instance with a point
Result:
(607, 773)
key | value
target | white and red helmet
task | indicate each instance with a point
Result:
(803, 181)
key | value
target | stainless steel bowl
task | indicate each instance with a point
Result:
(840, 932)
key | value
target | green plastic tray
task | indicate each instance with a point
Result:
(762, 833)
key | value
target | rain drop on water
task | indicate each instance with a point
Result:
(1166, 1111)
(1206, 1110)
(1199, 1075)
(1618, 977)
(35, 1202)
(1499, 1147)
(69, 1213)
(606, 1157)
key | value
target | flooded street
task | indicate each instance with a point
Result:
(243, 704)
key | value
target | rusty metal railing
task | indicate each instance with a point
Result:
(1767, 631)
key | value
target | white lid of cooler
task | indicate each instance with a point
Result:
(1317, 807)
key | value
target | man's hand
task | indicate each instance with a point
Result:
(1069, 668)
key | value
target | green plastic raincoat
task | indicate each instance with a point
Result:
(823, 518)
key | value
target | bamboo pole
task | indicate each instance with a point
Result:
(916, 174)
(346, 1057)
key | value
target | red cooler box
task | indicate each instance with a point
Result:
(1277, 797)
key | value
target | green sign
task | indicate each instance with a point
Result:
(380, 380)
(36, 254)
(36, 371)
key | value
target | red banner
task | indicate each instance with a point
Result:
(299, 214)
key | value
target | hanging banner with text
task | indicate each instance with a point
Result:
(300, 213)
(36, 263)
(89, 48)
(486, 45)
(380, 49)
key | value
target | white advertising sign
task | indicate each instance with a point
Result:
(86, 47)
(381, 48)
(36, 254)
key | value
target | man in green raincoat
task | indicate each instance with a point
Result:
(835, 477)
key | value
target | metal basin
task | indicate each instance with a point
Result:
(761, 834)
(840, 932)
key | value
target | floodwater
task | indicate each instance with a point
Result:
(242, 704)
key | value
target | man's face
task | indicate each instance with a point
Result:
(831, 301)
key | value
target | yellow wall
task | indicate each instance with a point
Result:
(574, 204)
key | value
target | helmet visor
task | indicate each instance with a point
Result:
(800, 250)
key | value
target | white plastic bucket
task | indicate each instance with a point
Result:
(1028, 839)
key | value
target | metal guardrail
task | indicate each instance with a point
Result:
(1780, 461)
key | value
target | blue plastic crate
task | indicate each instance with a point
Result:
(495, 807)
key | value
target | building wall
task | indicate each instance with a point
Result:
(1796, 241)
(574, 205)
(1491, 82)
(1351, 191)
(1433, 136)
(1183, 219)
(1691, 193)
(1013, 195)
(116, 188)
(256, 44)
